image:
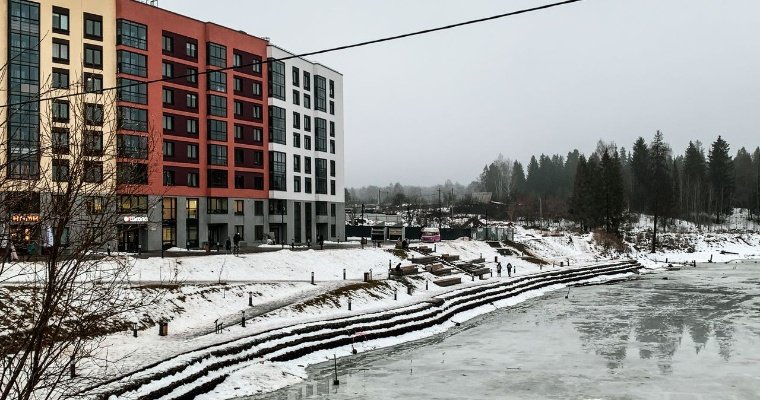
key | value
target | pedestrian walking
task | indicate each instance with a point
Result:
(509, 269)
(228, 244)
(498, 270)
(108, 250)
(236, 240)
(31, 248)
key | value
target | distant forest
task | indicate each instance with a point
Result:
(602, 189)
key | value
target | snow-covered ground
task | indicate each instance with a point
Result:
(199, 290)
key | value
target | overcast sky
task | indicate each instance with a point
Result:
(442, 105)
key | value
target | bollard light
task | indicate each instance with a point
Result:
(349, 303)
(344, 274)
(243, 321)
(250, 299)
(134, 329)
(312, 278)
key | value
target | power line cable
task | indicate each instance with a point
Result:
(311, 53)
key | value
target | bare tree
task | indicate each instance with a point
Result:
(67, 290)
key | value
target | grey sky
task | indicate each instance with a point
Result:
(439, 106)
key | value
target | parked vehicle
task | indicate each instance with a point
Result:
(431, 235)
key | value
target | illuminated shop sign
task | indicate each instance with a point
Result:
(135, 219)
(25, 218)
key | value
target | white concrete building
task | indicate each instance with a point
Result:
(306, 197)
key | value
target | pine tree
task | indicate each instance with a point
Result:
(721, 175)
(694, 170)
(532, 182)
(517, 187)
(611, 191)
(744, 177)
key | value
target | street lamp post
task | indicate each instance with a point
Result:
(282, 226)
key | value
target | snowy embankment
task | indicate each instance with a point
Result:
(227, 364)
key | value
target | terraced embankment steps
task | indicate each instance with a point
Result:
(198, 372)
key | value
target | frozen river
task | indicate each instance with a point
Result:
(694, 335)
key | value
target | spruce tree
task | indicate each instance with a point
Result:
(640, 170)
(659, 188)
(721, 175)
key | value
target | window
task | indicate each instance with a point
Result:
(191, 75)
(306, 81)
(332, 188)
(238, 132)
(296, 163)
(217, 105)
(238, 108)
(134, 119)
(93, 114)
(332, 128)
(296, 76)
(167, 69)
(258, 135)
(167, 43)
(191, 205)
(307, 165)
(320, 93)
(93, 143)
(237, 60)
(278, 207)
(258, 231)
(168, 122)
(217, 155)
(217, 55)
(239, 157)
(296, 97)
(332, 107)
(297, 184)
(93, 83)
(168, 96)
(60, 140)
(131, 173)
(191, 50)
(192, 151)
(60, 20)
(237, 84)
(296, 140)
(239, 207)
(277, 79)
(132, 63)
(131, 34)
(320, 165)
(169, 178)
(217, 81)
(60, 78)
(60, 51)
(93, 26)
(277, 125)
(191, 100)
(95, 205)
(320, 208)
(256, 65)
(277, 171)
(332, 147)
(307, 123)
(60, 170)
(307, 185)
(192, 126)
(169, 208)
(256, 111)
(132, 146)
(332, 168)
(217, 130)
(258, 207)
(258, 158)
(307, 142)
(332, 88)
(217, 205)
(192, 179)
(320, 134)
(60, 111)
(333, 230)
(93, 171)
(217, 178)
(306, 101)
(132, 91)
(296, 120)
(256, 89)
(168, 149)
(93, 56)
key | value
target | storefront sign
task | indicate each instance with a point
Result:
(135, 219)
(25, 218)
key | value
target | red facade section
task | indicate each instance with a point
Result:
(184, 101)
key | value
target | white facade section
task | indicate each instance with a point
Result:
(296, 92)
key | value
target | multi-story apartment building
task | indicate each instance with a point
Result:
(305, 149)
(50, 48)
(209, 177)
(213, 136)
